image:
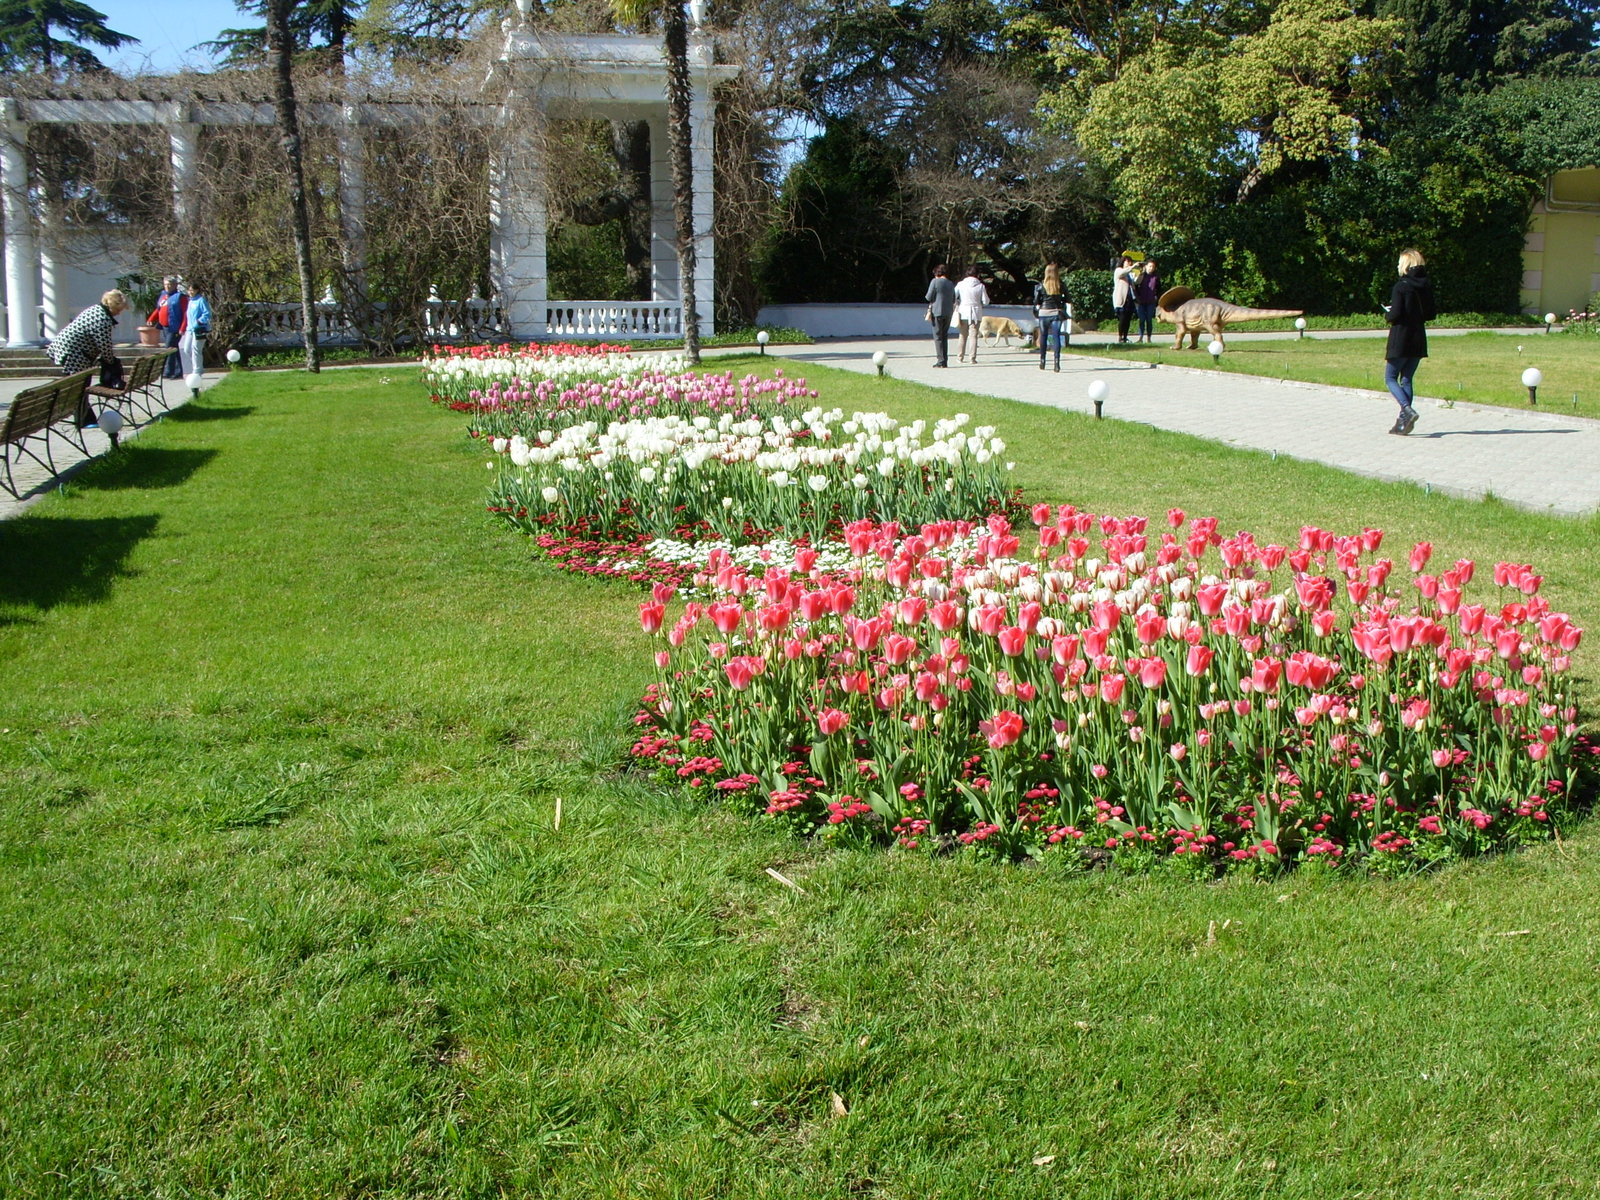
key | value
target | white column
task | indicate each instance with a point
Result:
(702, 144)
(185, 142)
(22, 255)
(517, 231)
(53, 274)
(353, 204)
(663, 230)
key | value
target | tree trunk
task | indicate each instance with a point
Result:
(282, 47)
(675, 25)
(630, 141)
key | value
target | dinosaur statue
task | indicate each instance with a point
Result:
(1196, 314)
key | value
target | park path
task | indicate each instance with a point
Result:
(1534, 459)
(34, 482)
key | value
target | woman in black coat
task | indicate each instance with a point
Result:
(1410, 305)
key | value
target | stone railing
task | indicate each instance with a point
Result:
(3, 326)
(472, 320)
(614, 318)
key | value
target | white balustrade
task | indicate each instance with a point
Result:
(614, 318)
(475, 319)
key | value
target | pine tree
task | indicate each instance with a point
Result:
(27, 42)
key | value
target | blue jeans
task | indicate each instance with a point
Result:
(1397, 373)
(1049, 335)
(1147, 320)
(173, 367)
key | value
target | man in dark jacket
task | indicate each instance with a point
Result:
(1410, 305)
(941, 307)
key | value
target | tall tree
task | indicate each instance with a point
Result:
(280, 38)
(675, 48)
(318, 31)
(28, 43)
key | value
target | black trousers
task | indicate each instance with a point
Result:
(1125, 316)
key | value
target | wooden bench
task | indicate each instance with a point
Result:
(37, 414)
(137, 388)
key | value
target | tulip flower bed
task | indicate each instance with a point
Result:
(470, 378)
(534, 413)
(727, 477)
(1195, 699)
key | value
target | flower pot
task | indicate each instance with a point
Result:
(149, 335)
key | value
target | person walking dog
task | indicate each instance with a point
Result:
(1410, 307)
(971, 297)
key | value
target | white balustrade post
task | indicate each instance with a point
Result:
(702, 147)
(22, 254)
(663, 226)
(184, 141)
(518, 225)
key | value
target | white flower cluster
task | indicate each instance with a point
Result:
(818, 449)
(472, 371)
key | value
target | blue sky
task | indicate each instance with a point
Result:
(166, 29)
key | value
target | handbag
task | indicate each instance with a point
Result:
(928, 316)
(111, 372)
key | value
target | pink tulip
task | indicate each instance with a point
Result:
(651, 613)
(1012, 640)
(1003, 729)
(1198, 660)
(831, 720)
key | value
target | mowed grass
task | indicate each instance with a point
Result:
(1484, 368)
(289, 911)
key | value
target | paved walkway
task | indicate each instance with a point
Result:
(34, 481)
(1534, 459)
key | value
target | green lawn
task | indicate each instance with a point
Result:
(1485, 368)
(285, 724)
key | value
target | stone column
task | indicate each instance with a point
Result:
(353, 209)
(517, 229)
(663, 230)
(22, 254)
(702, 143)
(185, 142)
(53, 268)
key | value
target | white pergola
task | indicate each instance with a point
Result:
(616, 78)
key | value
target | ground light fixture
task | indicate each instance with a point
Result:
(762, 339)
(878, 359)
(1099, 389)
(1549, 320)
(234, 358)
(110, 424)
(1215, 349)
(1531, 379)
(1300, 326)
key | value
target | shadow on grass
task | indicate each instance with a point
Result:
(50, 561)
(194, 412)
(136, 466)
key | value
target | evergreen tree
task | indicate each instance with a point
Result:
(28, 43)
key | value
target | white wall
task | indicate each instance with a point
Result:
(871, 320)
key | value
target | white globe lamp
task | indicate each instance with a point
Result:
(1300, 326)
(878, 359)
(234, 358)
(762, 339)
(110, 424)
(1549, 320)
(1531, 379)
(1099, 389)
(1215, 349)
